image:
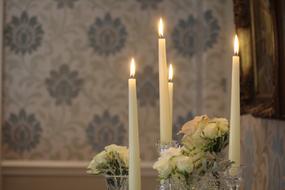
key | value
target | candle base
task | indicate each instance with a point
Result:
(164, 185)
(163, 147)
(234, 177)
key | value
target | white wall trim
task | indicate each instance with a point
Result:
(56, 168)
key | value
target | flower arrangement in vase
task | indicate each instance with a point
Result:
(199, 161)
(112, 163)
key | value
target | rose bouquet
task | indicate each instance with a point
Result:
(199, 155)
(112, 162)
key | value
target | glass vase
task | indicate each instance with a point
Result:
(165, 184)
(206, 182)
(234, 177)
(117, 182)
(211, 182)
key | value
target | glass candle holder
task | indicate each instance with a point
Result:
(234, 177)
(163, 147)
(165, 184)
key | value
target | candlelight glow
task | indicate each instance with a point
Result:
(236, 45)
(160, 27)
(170, 72)
(132, 68)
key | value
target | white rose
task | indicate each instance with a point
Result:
(184, 163)
(171, 152)
(188, 143)
(211, 131)
(223, 124)
(100, 158)
(124, 154)
(115, 148)
(92, 168)
(163, 166)
(121, 150)
(190, 127)
(197, 139)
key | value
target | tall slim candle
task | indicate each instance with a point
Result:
(170, 89)
(134, 148)
(234, 144)
(165, 126)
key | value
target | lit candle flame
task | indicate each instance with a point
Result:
(160, 27)
(132, 68)
(170, 72)
(236, 45)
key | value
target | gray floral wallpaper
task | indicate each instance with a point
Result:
(66, 69)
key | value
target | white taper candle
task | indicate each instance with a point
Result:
(170, 90)
(165, 126)
(234, 144)
(134, 148)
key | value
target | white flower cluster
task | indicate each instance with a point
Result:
(114, 160)
(202, 135)
(200, 132)
(173, 161)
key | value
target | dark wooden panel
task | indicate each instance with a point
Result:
(280, 6)
(260, 25)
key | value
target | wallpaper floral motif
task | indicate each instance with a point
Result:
(67, 63)
(107, 36)
(22, 132)
(148, 93)
(106, 129)
(65, 3)
(23, 34)
(185, 34)
(63, 85)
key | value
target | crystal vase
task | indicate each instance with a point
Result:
(165, 184)
(117, 182)
(204, 185)
(234, 177)
(210, 181)
(206, 182)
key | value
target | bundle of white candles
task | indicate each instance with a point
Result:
(166, 110)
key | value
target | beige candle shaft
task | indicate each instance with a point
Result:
(165, 126)
(234, 144)
(134, 148)
(170, 89)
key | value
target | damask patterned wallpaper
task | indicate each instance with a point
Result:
(66, 69)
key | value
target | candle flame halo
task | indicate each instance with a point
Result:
(170, 72)
(160, 27)
(132, 68)
(236, 45)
